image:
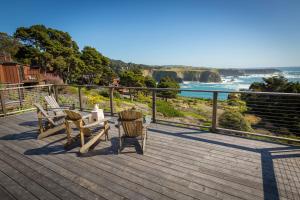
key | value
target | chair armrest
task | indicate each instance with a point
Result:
(53, 116)
(146, 126)
(90, 125)
(56, 116)
(65, 105)
(130, 120)
(96, 123)
(61, 108)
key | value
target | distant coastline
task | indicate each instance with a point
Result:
(182, 73)
(247, 71)
(236, 83)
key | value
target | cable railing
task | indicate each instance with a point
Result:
(268, 114)
(17, 98)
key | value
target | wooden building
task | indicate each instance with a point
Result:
(12, 72)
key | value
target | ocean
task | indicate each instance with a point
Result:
(230, 83)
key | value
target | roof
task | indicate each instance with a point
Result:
(9, 63)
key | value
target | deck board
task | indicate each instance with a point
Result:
(179, 163)
(4, 194)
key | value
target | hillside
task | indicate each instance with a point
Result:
(188, 73)
(184, 74)
(177, 72)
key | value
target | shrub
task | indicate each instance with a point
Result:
(92, 100)
(238, 105)
(66, 100)
(105, 93)
(53, 79)
(117, 94)
(167, 109)
(168, 82)
(70, 90)
(232, 119)
(142, 98)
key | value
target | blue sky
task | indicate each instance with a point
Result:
(213, 33)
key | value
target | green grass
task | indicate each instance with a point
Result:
(194, 115)
(167, 109)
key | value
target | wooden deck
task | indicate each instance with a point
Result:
(179, 163)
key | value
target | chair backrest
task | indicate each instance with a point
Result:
(76, 118)
(132, 122)
(52, 103)
(41, 110)
(73, 115)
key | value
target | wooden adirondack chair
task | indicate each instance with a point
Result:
(132, 123)
(52, 103)
(49, 124)
(86, 129)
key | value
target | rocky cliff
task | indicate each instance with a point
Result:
(185, 75)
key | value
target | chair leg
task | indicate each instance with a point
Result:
(106, 135)
(144, 138)
(120, 139)
(69, 132)
(106, 128)
(51, 131)
(81, 138)
(146, 133)
(144, 144)
(85, 148)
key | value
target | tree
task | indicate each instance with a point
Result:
(73, 72)
(51, 49)
(271, 84)
(9, 46)
(119, 66)
(97, 68)
(131, 79)
(276, 84)
(168, 82)
(150, 82)
(277, 110)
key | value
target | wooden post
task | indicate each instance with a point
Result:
(214, 112)
(153, 106)
(56, 92)
(49, 90)
(80, 98)
(20, 97)
(2, 101)
(130, 95)
(111, 98)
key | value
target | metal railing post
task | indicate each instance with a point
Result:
(3, 102)
(153, 106)
(80, 98)
(214, 112)
(111, 98)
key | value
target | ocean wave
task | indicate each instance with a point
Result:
(291, 75)
(186, 82)
(185, 86)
